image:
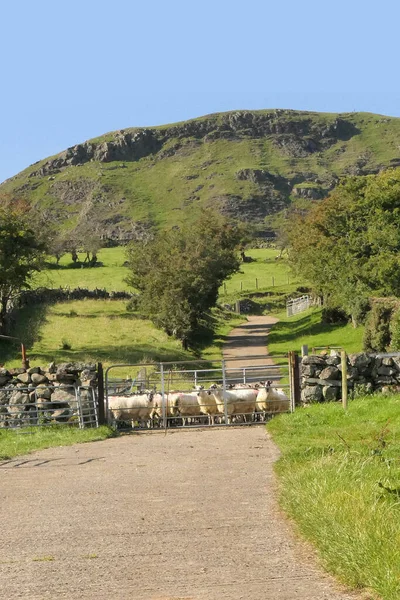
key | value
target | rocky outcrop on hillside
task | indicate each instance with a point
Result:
(292, 133)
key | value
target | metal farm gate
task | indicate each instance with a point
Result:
(48, 405)
(199, 393)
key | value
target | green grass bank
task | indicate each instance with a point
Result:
(340, 481)
(18, 442)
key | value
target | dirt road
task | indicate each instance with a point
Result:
(189, 515)
(249, 340)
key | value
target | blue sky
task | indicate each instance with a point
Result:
(77, 69)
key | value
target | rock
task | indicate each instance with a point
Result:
(88, 377)
(330, 393)
(52, 368)
(387, 362)
(32, 370)
(24, 378)
(386, 370)
(61, 415)
(333, 360)
(18, 397)
(4, 380)
(64, 397)
(330, 372)
(5, 373)
(16, 371)
(65, 377)
(38, 378)
(360, 360)
(311, 394)
(4, 396)
(43, 391)
(307, 370)
(316, 381)
(313, 359)
(51, 376)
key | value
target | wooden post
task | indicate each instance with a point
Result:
(25, 361)
(273, 282)
(304, 350)
(344, 379)
(296, 377)
(100, 395)
(241, 286)
(294, 380)
(256, 283)
(225, 289)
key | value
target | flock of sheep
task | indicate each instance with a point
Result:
(239, 403)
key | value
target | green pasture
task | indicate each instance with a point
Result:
(89, 331)
(266, 272)
(340, 481)
(109, 275)
(291, 333)
(102, 331)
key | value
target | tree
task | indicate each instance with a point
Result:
(348, 245)
(21, 255)
(178, 273)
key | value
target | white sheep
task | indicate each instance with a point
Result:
(133, 408)
(238, 402)
(271, 400)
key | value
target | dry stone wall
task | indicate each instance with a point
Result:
(48, 395)
(321, 376)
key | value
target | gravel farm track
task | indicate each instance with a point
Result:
(187, 515)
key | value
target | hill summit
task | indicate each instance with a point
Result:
(247, 164)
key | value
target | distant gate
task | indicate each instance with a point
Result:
(162, 395)
(297, 305)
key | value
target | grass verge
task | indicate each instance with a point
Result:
(340, 481)
(306, 328)
(17, 442)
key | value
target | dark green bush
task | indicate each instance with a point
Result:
(377, 327)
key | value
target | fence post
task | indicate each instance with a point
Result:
(296, 376)
(164, 407)
(241, 286)
(273, 282)
(256, 283)
(224, 392)
(100, 394)
(344, 378)
(304, 350)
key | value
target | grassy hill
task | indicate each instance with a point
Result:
(248, 164)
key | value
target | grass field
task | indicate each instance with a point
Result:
(340, 481)
(265, 273)
(306, 328)
(15, 443)
(109, 275)
(92, 331)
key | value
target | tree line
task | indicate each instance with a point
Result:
(348, 245)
